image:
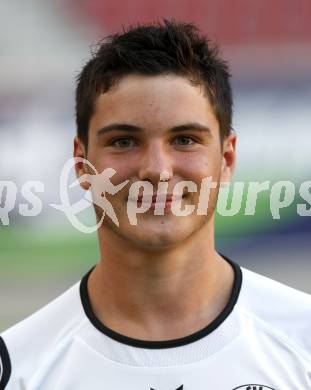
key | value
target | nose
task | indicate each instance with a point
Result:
(155, 161)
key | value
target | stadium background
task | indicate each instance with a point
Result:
(43, 46)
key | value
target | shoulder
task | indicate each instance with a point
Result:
(285, 311)
(25, 345)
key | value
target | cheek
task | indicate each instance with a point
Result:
(195, 169)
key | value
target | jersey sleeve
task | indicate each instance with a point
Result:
(5, 365)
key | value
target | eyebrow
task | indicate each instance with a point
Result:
(135, 129)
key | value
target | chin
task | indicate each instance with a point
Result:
(156, 243)
(157, 232)
(162, 235)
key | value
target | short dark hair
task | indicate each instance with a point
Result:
(168, 47)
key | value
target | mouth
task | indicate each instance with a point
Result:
(162, 201)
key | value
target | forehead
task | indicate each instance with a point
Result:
(166, 100)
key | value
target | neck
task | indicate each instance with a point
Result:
(158, 295)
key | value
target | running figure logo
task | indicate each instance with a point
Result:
(100, 184)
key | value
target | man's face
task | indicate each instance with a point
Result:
(171, 127)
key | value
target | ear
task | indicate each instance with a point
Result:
(228, 157)
(79, 150)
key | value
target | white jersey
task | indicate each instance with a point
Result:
(261, 340)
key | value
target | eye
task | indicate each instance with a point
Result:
(122, 142)
(184, 140)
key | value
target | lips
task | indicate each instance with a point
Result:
(160, 199)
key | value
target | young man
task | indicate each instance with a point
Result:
(162, 309)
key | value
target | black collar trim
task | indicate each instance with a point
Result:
(165, 343)
(5, 364)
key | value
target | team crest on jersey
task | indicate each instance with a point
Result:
(179, 388)
(253, 387)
